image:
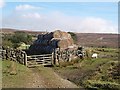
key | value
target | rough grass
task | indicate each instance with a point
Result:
(65, 64)
(14, 81)
(101, 85)
(90, 70)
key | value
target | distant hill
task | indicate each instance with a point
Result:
(98, 40)
(11, 31)
(83, 39)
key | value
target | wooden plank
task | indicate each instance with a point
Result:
(39, 60)
(45, 59)
(40, 55)
(47, 64)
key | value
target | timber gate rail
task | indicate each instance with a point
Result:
(29, 61)
(37, 60)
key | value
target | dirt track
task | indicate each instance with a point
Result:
(47, 78)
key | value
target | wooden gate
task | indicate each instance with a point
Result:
(37, 60)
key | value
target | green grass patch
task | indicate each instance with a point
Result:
(93, 63)
(70, 63)
(17, 80)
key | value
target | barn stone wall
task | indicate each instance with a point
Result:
(47, 43)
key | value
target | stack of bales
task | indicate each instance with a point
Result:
(48, 42)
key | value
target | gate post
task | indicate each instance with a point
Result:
(53, 58)
(25, 59)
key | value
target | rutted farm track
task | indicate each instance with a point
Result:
(46, 78)
(37, 77)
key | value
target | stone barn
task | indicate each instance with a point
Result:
(58, 42)
(47, 43)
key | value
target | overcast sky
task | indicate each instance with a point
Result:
(85, 17)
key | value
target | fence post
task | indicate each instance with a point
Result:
(52, 58)
(25, 59)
